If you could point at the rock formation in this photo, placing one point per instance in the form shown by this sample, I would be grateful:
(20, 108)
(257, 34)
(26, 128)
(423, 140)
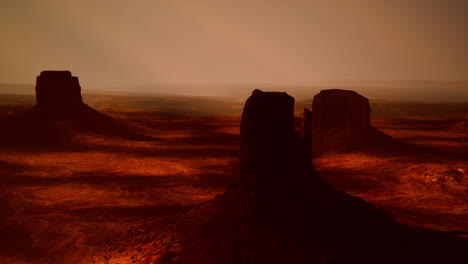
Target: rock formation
(307, 117)
(270, 149)
(58, 92)
(281, 212)
(270, 146)
(267, 131)
(60, 116)
(341, 122)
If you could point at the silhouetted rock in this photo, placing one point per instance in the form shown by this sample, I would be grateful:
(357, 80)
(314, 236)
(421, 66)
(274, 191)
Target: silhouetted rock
(271, 148)
(267, 131)
(341, 122)
(307, 117)
(60, 117)
(58, 92)
(283, 212)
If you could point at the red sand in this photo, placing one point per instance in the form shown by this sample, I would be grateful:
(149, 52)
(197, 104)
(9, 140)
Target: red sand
(62, 206)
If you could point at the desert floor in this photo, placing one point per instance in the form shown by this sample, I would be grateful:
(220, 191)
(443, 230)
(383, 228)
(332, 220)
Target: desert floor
(58, 205)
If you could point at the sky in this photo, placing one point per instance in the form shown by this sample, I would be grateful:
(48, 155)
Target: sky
(297, 42)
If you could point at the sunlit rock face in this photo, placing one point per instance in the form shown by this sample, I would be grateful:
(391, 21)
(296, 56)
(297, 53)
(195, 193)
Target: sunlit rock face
(341, 121)
(58, 92)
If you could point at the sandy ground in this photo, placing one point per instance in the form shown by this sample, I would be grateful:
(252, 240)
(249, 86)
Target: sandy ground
(57, 206)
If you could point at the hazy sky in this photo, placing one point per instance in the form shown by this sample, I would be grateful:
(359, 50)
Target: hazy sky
(122, 42)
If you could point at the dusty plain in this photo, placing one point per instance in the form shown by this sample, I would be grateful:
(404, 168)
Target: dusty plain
(69, 203)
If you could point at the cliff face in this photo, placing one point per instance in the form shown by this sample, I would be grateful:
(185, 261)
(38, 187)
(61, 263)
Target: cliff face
(58, 92)
(267, 132)
(274, 157)
(341, 122)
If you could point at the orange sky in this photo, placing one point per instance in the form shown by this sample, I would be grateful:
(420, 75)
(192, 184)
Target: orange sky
(119, 42)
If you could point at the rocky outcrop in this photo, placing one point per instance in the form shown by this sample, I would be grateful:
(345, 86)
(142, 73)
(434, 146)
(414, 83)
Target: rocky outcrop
(341, 122)
(281, 212)
(270, 149)
(267, 129)
(58, 96)
(60, 117)
(58, 91)
(269, 143)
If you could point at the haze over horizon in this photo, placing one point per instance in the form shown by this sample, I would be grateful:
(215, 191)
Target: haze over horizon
(118, 43)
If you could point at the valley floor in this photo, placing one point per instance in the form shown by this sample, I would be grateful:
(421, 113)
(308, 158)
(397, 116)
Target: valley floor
(56, 206)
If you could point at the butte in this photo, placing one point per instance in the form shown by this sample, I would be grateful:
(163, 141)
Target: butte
(341, 123)
(281, 211)
(60, 116)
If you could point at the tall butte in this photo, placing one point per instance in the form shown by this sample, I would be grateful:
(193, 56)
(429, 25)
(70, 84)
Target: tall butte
(271, 148)
(60, 116)
(58, 93)
(281, 212)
